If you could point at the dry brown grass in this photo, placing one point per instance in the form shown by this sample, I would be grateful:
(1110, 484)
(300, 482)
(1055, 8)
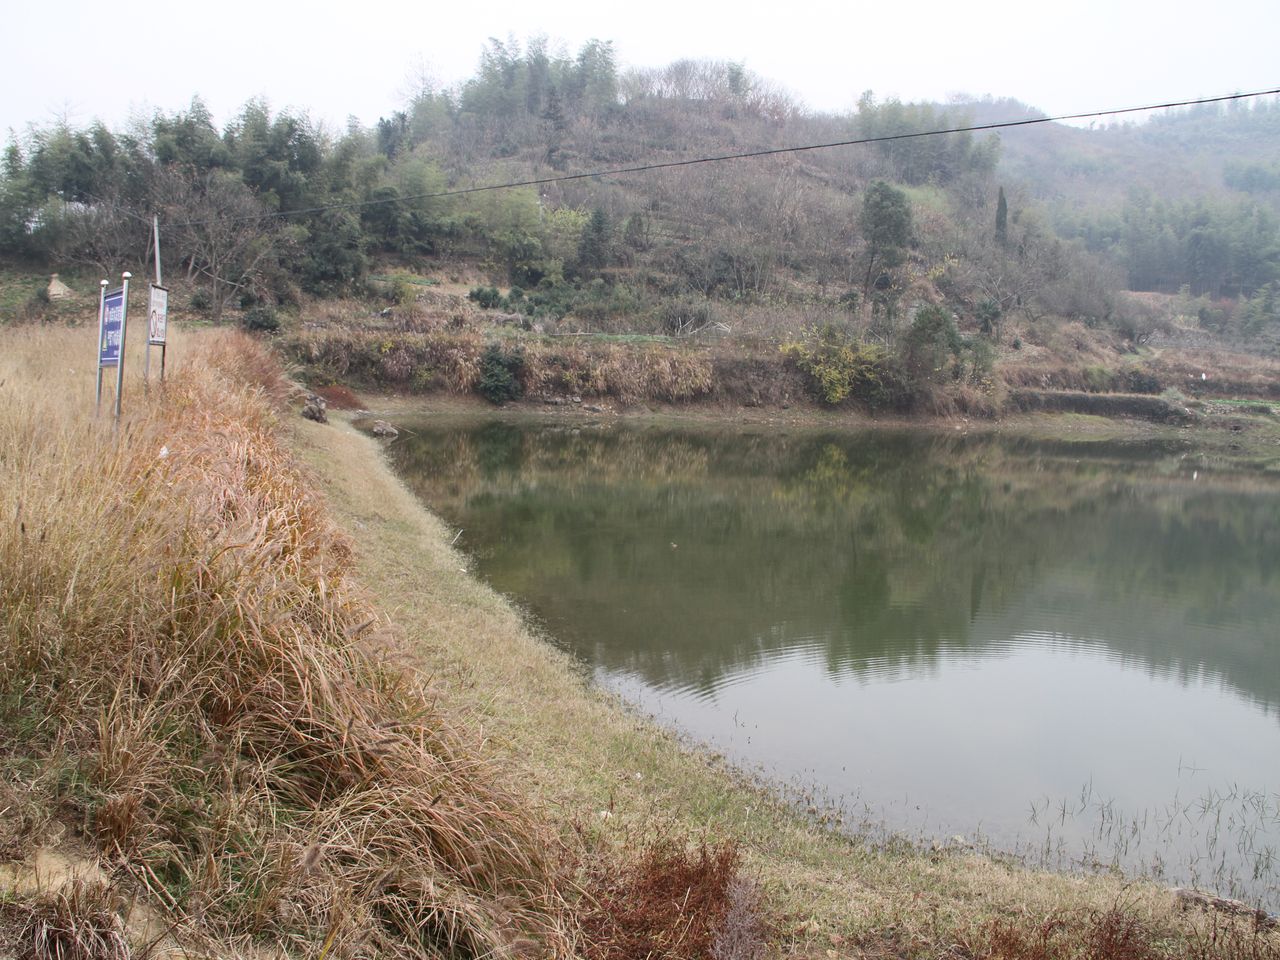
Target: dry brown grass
(181, 630)
(1219, 373)
(439, 360)
(1118, 934)
(1070, 356)
(631, 373)
(81, 921)
(673, 901)
(450, 361)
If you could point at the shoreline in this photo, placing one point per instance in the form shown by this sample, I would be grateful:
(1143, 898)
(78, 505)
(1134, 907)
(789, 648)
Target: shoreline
(1236, 442)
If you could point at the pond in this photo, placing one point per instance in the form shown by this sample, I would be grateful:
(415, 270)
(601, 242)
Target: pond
(1069, 650)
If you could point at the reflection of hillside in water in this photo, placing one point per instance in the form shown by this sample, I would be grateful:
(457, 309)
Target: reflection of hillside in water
(690, 558)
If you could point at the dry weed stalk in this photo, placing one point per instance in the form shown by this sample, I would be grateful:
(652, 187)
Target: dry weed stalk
(80, 921)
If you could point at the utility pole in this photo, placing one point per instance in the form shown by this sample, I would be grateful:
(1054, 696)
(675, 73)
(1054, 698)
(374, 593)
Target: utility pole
(157, 312)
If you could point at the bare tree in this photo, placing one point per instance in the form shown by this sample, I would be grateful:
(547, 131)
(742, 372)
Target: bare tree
(220, 230)
(108, 233)
(1015, 275)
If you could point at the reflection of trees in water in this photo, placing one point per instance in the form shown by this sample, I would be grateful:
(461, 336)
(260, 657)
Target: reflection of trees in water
(873, 551)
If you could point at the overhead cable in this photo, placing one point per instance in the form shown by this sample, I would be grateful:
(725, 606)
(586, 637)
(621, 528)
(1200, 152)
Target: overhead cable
(748, 155)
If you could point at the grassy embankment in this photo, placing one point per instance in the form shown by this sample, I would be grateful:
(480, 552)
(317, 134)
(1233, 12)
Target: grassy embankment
(445, 347)
(197, 698)
(203, 711)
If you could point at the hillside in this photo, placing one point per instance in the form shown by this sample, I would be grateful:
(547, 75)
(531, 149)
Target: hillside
(929, 274)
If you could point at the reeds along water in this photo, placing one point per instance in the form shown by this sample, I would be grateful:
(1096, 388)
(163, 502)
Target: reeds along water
(1225, 841)
(191, 678)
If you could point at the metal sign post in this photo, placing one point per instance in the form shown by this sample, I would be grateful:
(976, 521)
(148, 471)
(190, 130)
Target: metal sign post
(102, 294)
(124, 325)
(112, 318)
(155, 232)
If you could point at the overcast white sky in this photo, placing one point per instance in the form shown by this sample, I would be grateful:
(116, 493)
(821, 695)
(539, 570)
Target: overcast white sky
(89, 60)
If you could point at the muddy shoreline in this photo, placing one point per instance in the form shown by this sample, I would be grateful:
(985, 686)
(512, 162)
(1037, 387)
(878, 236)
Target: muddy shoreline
(1216, 436)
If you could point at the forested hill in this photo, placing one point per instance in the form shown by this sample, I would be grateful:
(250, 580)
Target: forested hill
(1188, 152)
(1049, 221)
(1169, 197)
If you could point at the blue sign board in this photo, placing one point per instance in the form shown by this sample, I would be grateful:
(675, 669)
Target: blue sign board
(112, 322)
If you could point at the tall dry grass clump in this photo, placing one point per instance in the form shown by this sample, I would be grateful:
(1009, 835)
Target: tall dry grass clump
(438, 360)
(82, 921)
(451, 361)
(631, 373)
(187, 665)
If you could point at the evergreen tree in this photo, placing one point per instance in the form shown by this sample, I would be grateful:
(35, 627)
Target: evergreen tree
(555, 125)
(594, 250)
(1002, 219)
(636, 232)
(885, 222)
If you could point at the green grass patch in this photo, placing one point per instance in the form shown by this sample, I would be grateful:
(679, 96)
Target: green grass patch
(1246, 403)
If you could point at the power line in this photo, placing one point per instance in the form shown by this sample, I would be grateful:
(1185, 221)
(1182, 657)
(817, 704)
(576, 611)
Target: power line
(749, 155)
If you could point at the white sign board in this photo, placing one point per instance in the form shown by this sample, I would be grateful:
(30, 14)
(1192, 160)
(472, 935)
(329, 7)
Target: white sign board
(157, 315)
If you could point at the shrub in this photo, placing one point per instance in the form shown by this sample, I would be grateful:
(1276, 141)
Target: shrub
(500, 374)
(931, 342)
(487, 297)
(36, 306)
(261, 320)
(840, 370)
(531, 274)
(1138, 380)
(1138, 322)
(402, 292)
(682, 316)
(598, 302)
(988, 313)
(1099, 379)
(980, 354)
(552, 298)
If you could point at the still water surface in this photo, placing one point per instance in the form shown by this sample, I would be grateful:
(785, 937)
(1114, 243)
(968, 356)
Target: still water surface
(1068, 649)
